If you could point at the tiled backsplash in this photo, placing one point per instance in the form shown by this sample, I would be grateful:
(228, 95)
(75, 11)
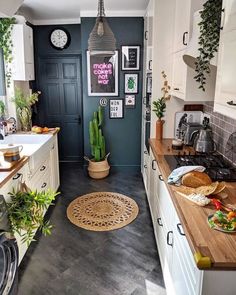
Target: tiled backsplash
(222, 128)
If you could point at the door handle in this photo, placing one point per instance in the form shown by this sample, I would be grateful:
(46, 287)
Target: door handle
(168, 238)
(159, 222)
(231, 103)
(153, 168)
(146, 35)
(184, 38)
(78, 119)
(179, 229)
(160, 177)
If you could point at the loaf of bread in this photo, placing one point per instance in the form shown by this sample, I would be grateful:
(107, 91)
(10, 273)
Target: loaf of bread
(195, 179)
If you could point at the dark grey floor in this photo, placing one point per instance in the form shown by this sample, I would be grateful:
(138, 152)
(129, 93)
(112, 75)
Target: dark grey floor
(79, 262)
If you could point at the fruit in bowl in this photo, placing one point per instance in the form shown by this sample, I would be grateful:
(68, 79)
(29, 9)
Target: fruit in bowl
(45, 129)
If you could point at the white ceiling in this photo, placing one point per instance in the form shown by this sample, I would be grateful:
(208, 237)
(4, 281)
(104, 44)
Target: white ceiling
(69, 11)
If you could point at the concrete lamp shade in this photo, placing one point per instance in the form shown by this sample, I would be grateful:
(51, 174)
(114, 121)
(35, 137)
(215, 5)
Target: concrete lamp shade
(192, 52)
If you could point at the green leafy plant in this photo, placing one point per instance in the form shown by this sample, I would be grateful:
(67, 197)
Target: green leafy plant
(6, 44)
(26, 213)
(2, 109)
(23, 107)
(96, 137)
(208, 40)
(159, 105)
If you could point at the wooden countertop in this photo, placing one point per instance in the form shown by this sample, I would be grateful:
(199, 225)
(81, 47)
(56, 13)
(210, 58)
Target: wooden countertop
(218, 246)
(5, 176)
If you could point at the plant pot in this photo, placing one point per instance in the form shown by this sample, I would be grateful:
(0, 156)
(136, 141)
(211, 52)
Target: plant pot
(159, 129)
(98, 170)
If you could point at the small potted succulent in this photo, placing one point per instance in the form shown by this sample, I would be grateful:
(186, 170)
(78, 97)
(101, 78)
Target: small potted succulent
(98, 167)
(159, 107)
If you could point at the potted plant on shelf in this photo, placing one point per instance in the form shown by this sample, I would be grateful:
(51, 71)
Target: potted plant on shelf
(26, 212)
(159, 107)
(98, 167)
(23, 107)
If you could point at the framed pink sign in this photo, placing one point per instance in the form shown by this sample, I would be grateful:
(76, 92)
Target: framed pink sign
(102, 73)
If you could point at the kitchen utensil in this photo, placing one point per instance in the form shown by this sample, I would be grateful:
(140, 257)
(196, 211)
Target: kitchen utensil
(185, 117)
(203, 142)
(11, 152)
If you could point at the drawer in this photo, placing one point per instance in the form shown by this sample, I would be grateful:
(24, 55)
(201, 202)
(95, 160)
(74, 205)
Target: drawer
(13, 183)
(41, 182)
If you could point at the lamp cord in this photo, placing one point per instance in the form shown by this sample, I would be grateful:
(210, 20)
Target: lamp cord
(101, 9)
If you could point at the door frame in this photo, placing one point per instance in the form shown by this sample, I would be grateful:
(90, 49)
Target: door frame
(37, 86)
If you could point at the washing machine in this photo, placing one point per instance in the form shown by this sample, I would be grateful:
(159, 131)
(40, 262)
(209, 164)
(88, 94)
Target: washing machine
(8, 254)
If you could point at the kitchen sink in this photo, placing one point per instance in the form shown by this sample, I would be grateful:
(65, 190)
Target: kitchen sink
(26, 139)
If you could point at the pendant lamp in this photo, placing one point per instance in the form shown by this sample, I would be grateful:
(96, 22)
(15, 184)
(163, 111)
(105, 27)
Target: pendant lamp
(101, 39)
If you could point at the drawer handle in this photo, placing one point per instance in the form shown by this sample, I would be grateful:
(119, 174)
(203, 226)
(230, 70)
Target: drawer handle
(184, 38)
(153, 168)
(176, 89)
(231, 103)
(146, 35)
(18, 175)
(42, 168)
(179, 228)
(145, 166)
(145, 152)
(160, 177)
(150, 65)
(44, 184)
(168, 238)
(159, 222)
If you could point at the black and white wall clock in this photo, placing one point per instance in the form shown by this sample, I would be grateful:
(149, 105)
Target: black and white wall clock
(60, 38)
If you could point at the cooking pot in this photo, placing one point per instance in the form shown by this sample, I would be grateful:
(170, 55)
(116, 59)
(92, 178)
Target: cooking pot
(11, 152)
(203, 142)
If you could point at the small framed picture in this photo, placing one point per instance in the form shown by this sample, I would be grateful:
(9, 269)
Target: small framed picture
(130, 58)
(149, 83)
(130, 101)
(131, 83)
(116, 110)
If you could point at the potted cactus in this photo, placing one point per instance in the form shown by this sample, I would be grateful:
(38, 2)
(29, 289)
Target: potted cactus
(98, 167)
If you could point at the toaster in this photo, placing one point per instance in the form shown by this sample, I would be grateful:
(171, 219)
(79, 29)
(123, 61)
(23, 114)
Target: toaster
(190, 132)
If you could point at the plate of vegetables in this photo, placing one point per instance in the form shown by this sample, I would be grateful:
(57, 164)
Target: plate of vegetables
(225, 222)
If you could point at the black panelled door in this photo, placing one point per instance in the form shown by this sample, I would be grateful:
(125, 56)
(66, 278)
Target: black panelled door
(61, 103)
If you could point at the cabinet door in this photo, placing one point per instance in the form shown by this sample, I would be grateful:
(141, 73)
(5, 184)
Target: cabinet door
(54, 164)
(182, 24)
(225, 96)
(179, 75)
(186, 276)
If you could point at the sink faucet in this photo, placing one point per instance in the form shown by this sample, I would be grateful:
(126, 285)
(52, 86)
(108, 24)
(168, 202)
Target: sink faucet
(2, 129)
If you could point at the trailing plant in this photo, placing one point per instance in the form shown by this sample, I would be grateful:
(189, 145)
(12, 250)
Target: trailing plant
(208, 40)
(2, 109)
(6, 44)
(23, 107)
(96, 137)
(26, 213)
(160, 104)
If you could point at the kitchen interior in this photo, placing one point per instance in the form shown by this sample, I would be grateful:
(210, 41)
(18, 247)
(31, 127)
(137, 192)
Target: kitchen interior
(117, 147)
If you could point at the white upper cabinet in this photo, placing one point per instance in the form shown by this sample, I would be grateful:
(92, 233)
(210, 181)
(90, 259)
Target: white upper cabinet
(148, 35)
(184, 85)
(23, 53)
(182, 24)
(225, 96)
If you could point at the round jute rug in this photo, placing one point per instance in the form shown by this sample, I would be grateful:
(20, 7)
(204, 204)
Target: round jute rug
(102, 211)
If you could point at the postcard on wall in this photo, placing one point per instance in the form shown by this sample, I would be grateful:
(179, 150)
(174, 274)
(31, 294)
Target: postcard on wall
(131, 83)
(116, 109)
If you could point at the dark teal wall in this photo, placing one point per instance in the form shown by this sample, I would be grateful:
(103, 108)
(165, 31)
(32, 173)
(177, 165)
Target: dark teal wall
(123, 136)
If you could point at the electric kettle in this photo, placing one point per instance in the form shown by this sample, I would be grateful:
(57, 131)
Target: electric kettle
(203, 142)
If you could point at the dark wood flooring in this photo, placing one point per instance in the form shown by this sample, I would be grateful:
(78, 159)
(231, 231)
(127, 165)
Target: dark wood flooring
(78, 262)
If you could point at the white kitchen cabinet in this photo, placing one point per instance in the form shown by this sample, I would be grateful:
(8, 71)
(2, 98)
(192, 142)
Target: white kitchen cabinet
(23, 53)
(225, 95)
(54, 162)
(148, 36)
(182, 24)
(184, 85)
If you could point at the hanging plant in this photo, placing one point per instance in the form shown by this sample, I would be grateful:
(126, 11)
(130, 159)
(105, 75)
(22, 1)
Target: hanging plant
(208, 40)
(6, 44)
